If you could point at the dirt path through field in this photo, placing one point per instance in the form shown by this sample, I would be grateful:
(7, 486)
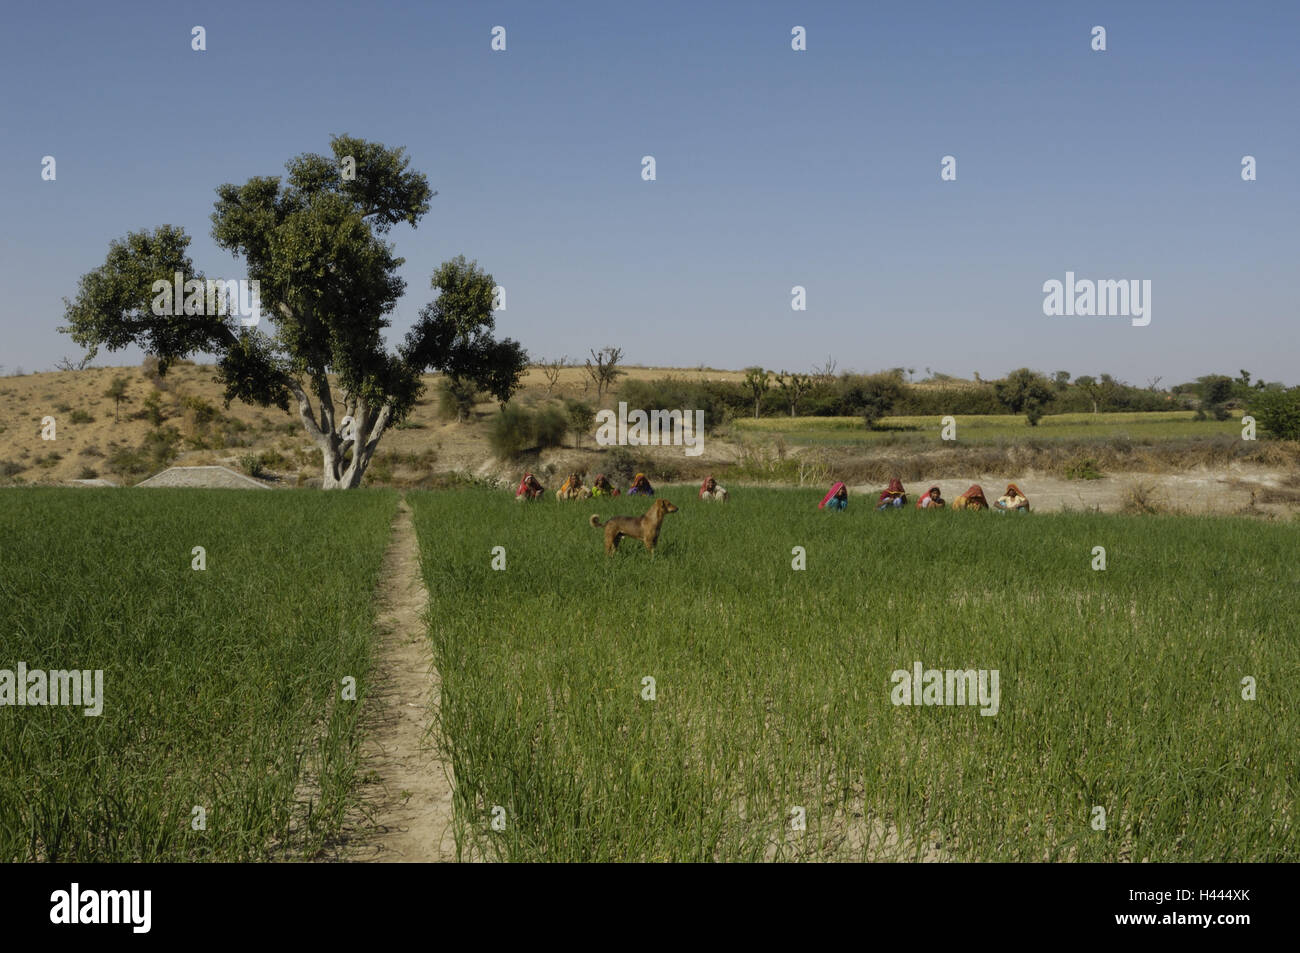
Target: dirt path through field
(406, 788)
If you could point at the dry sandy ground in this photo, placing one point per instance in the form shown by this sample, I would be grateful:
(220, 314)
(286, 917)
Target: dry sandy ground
(407, 789)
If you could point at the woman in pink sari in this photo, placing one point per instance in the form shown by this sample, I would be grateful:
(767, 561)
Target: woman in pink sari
(836, 499)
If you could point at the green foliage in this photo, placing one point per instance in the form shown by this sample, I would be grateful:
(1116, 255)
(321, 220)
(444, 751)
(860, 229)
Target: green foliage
(582, 419)
(221, 687)
(153, 409)
(516, 430)
(1278, 412)
(873, 396)
(785, 699)
(457, 397)
(1084, 468)
(1025, 392)
(314, 241)
(81, 417)
(117, 393)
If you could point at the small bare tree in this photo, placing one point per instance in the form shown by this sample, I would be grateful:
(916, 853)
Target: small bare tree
(826, 373)
(551, 371)
(794, 387)
(68, 364)
(603, 369)
(756, 382)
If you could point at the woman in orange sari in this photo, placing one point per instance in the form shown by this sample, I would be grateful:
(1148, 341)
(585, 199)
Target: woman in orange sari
(1013, 501)
(640, 486)
(972, 499)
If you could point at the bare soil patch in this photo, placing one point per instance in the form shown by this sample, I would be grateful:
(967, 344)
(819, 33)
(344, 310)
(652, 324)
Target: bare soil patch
(406, 788)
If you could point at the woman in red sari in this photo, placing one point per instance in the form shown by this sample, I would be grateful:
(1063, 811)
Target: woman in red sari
(892, 496)
(529, 489)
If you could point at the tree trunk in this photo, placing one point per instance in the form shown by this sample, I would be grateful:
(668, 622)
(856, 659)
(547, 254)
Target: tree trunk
(360, 430)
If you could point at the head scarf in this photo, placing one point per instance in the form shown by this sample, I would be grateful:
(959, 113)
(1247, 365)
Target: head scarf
(827, 498)
(894, 489)
(704, 487)
(926, 496)
(1012, 488)
(525, 484)
(976, 492)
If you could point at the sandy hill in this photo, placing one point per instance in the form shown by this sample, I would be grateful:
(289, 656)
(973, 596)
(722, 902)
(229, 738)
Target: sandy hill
(93, 438)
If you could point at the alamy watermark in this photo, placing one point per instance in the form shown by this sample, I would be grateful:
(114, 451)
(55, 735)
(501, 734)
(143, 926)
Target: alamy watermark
(933, 686)
(1103, 298)
(211, 296)
(658, 428)
(54, 687)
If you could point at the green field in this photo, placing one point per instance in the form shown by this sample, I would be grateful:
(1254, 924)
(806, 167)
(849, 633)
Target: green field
(1118, 689)
(984, 429)
(221, 686)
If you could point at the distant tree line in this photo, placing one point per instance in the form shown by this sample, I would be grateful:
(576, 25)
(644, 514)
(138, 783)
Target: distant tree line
(823, 393)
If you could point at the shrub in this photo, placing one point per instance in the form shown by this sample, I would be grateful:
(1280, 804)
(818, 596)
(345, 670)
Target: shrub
(456, 398)
(87, 473)
(550, 424)
(10, 468)
(380, 469)
(251, 463)
(1083, 469)
(511, 433)
(1278, 412)
(159, 447)
(128, 462)
(153, 410)
(81, 417)
(582, 418)
(516, 430)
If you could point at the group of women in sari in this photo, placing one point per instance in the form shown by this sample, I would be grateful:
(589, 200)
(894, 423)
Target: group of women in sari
(894, 496)
(530, 489)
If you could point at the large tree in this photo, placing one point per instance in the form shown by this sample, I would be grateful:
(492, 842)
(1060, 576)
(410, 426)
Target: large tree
(1025, 392)
(327, 281)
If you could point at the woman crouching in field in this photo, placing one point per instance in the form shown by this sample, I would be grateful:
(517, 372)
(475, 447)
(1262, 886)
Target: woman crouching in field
(602, 487)
(1013, 501)
(529, 489)
(836, 499)
(573, 489)
(640, 486)
(710, 491)
(892, 496)
(932, 500)
(972, 499)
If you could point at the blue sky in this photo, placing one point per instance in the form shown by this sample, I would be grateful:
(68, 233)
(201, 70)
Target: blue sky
(775, 168)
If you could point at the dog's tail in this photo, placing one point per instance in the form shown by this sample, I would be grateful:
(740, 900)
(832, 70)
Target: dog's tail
(595, 520)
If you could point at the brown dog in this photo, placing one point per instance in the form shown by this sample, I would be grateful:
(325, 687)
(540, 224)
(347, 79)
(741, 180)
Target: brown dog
(644, 528)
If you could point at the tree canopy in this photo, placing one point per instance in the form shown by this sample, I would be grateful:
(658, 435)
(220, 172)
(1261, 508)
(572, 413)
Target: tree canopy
(327, 281)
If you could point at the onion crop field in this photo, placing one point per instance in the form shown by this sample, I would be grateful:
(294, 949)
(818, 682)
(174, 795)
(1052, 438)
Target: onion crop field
(718, 702)
(222, 733)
